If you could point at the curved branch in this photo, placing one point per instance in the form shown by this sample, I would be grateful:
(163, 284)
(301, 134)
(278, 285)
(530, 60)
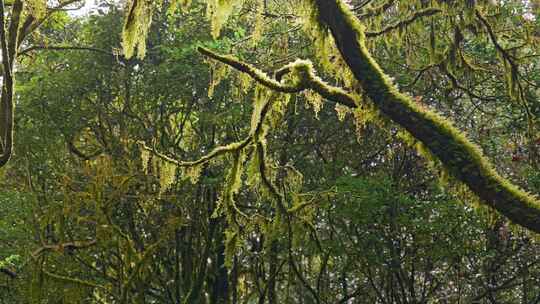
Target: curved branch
(206, 158)
(463, 158)
(403, 23)
(73, 149)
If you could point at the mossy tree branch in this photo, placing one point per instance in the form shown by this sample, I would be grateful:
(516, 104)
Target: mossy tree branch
(221, 150)
(307, 79)
(255, 73)
(462, 158)
(403, 23)
(303, 78)
(301, 69)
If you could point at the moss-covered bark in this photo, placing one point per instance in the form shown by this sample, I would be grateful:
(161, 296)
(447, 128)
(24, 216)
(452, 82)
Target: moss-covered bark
(463, 159)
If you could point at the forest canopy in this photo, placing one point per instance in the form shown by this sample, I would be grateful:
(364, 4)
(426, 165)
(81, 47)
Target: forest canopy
(269, 151)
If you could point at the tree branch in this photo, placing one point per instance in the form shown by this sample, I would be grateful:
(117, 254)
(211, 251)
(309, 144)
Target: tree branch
(462, 158)
(206, 158)
(68, 247)
(302, 69)
(255, 73)
(403, 23)
(73, 149)
(65, 48)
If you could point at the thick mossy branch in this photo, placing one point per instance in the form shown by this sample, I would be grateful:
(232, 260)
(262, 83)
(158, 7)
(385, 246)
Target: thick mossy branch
(255, 73)
(463, 159)
(301, 71)
(403, 23)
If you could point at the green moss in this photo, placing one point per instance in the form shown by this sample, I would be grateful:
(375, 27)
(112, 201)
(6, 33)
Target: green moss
(136, 27)
(219, 11)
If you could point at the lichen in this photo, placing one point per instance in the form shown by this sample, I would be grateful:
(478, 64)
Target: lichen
(219, 11)
(136, 27)
(218, 72)
(314, 101)
(193, 173)
(341, 111)
(145, 158)
(167, 175)
(258, 24)
(364, 115)
(231, 244)
(260, 101)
